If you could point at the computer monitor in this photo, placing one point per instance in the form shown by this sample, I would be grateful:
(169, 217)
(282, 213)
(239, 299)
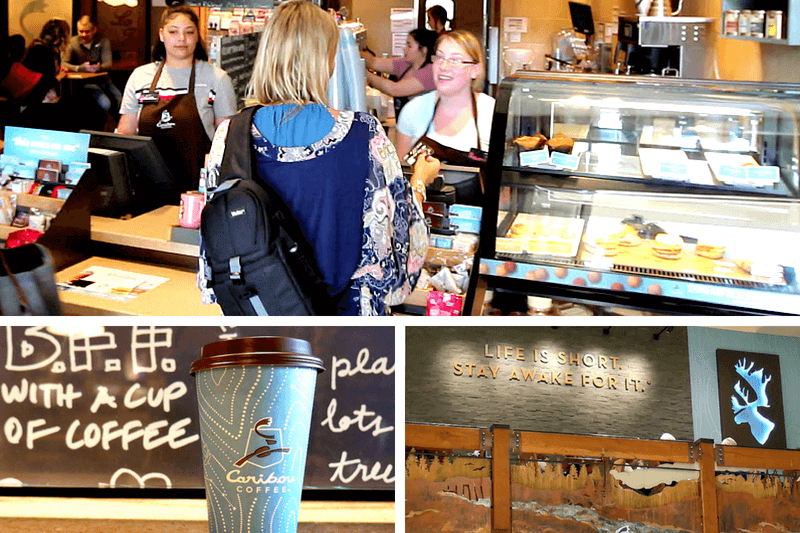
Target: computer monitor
(151, 183)
(582, 21)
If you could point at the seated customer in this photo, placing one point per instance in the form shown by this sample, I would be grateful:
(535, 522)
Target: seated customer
(87, 52)
(37, 102)
(414, 70)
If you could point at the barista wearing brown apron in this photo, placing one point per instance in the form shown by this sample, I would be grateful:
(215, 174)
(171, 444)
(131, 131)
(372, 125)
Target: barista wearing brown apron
(175, 126)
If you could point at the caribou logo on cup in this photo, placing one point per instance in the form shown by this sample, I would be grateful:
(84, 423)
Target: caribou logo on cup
(267, 443)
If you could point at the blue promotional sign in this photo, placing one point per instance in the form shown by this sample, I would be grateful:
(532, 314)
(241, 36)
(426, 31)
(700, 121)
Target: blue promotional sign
(31, 144)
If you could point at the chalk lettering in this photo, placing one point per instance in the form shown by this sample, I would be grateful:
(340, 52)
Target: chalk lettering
(154, 397)
(143, 352)
(345, 422)
(52, 393)
(94, 434)
(380, 366)
(13, 430)
(358, 468)
(27, 350)
(33, 435)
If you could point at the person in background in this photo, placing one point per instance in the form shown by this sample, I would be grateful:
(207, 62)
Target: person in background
(15, 49)
(179, 99)
(436, 16)
(44, 56)
(336, 171)
(41, 105)
(414, 71)
(457, 114)
(87, 52)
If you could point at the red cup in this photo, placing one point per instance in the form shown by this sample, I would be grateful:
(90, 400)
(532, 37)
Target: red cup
(192, 204)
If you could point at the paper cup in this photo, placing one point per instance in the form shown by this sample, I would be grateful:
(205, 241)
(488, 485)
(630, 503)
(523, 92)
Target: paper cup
(255, 397)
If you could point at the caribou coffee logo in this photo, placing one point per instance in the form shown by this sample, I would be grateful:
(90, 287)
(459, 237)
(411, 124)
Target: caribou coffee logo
(264, 449)
(748, 412)
(264, 445)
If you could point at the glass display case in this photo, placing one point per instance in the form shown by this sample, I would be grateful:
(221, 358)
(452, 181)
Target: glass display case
(661, 194)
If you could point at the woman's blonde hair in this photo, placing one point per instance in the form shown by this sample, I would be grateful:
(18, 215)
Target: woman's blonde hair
(472, 46)
(294, 55)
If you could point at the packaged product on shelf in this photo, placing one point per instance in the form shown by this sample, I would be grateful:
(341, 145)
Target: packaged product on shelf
(8, 207)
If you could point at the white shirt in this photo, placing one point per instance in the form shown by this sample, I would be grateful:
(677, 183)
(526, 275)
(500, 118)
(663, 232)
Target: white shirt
(417, 115)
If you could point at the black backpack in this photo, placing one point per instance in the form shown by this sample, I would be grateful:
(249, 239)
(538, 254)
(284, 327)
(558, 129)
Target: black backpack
(258, 260)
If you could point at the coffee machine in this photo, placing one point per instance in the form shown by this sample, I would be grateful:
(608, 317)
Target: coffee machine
(663, 46)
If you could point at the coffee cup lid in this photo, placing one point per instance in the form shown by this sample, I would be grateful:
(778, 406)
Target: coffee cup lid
(277, 351)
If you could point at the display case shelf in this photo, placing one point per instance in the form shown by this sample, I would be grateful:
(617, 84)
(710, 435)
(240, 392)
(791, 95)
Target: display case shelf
(689, 208)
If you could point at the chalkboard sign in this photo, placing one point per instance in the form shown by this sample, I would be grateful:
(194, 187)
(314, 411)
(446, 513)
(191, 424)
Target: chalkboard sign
(116, 406)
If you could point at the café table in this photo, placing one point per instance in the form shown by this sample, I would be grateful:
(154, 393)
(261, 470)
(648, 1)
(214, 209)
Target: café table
(74, 80)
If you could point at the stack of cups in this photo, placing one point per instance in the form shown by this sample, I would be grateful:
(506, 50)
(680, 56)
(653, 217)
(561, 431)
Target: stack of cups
(255, 398)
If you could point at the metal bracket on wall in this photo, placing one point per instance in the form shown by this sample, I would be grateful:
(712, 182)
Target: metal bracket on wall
(720, 455)
(694, 452)
(514, 443)
(487, 440)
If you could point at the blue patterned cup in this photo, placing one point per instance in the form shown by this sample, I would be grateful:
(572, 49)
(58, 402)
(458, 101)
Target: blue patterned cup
(255, 397)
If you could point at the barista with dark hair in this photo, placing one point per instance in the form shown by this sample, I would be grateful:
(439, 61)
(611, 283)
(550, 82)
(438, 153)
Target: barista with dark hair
(414, 71)
(179, 99)
(436, 17)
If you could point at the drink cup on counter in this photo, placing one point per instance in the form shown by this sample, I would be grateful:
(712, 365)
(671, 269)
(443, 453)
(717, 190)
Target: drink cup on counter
(255, 397)
(192, 204)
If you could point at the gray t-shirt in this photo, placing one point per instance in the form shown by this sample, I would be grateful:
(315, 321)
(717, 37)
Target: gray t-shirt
(213, 90)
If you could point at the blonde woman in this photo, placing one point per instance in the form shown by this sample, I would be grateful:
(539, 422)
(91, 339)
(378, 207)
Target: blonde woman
(457, 114)
(336, 170)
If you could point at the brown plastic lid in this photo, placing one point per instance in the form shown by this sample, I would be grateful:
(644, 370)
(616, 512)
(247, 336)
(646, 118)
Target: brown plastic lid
(277, 351)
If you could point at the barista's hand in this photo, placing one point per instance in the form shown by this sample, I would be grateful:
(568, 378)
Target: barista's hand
(426, 168)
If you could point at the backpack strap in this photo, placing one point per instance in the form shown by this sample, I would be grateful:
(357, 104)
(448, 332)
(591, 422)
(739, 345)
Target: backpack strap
(237, 159)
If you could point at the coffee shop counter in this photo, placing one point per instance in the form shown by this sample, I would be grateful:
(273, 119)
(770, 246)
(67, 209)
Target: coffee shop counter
(109, 515)
(150, 244)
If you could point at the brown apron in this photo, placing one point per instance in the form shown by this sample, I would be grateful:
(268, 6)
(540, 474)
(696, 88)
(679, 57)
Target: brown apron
(176, 128)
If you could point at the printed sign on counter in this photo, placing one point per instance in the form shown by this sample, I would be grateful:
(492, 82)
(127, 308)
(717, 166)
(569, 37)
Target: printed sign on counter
(115, 406)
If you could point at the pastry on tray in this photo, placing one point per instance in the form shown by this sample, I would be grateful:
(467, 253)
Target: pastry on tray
(607, 246)
(629, 237)
(561, 143)
(530, 142)
(668, 246)
(709, 250)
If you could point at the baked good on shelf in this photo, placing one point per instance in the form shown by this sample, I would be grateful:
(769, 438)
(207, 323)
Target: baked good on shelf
(519, 229)
(561, 143)
(709, 250)
(530, 142)
(629, 239)
(667, 246)
(607, 246)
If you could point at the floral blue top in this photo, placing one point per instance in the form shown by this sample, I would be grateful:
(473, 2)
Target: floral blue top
(394, 236)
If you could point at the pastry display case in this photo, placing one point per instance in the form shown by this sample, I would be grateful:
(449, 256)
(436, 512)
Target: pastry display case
(660, 194)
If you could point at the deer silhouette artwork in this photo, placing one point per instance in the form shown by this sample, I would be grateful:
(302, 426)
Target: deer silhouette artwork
(760, 426)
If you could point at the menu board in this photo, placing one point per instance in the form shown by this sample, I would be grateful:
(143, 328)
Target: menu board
(116, 406)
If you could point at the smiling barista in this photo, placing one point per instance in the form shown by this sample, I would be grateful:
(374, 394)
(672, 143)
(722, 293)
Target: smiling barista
(179, 100)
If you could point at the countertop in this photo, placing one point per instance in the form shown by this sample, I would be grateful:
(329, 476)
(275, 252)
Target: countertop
(109, 515)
